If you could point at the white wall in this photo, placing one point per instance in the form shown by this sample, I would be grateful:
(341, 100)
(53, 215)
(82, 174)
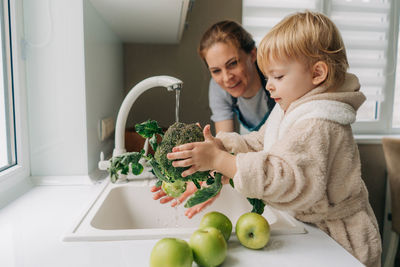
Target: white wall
(104, 79)
(56, 87)
(63, 106)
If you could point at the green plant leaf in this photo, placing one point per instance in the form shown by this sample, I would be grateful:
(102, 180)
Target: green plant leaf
(157, 171)
(148, 128)
(210, 181)
(137, 168)
(205, 193)
(258, 205)
(196, 183)
(120, 164)
(153, 142)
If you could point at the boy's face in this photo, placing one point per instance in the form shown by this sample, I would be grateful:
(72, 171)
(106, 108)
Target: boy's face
(288, 80)
(232, 69)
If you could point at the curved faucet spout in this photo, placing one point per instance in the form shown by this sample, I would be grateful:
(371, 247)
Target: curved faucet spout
(169, 82)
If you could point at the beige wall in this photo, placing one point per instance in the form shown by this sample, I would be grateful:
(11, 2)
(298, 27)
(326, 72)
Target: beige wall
(182, 61)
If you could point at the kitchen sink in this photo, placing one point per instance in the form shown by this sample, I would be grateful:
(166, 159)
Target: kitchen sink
(127, 211)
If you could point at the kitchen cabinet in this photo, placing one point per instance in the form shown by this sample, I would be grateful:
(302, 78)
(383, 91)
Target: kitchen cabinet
(144, 21)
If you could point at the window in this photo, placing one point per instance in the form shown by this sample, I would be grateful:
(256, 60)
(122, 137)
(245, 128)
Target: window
(367, 28)
(7, 134)
(14, 150)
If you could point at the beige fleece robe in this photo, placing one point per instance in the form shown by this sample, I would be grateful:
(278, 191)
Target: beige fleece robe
(306, 161)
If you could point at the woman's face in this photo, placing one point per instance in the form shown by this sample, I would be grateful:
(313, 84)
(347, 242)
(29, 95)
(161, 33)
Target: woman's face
(233, 69)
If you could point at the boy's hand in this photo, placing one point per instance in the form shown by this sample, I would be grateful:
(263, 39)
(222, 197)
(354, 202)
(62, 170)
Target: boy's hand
(200, 156)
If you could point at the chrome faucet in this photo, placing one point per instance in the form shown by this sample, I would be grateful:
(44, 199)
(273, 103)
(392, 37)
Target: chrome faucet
(169, 82)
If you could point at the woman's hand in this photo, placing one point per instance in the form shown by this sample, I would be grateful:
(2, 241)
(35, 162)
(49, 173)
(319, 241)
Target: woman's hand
(162, 196)
(190, 212)
(190, 190)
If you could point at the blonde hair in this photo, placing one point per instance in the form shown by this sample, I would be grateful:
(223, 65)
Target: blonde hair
(228, 32)
(307, 37)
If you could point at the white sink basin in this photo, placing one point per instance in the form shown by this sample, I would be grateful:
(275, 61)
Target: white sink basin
(127, 211)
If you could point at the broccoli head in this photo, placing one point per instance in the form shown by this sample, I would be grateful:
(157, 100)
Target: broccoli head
(177, 134)
(170, 178)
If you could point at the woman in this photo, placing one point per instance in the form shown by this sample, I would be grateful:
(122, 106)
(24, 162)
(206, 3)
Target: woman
(237, 87)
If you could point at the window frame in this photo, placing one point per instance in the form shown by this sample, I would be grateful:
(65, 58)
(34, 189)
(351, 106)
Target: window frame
(21, 170)
(8, 88)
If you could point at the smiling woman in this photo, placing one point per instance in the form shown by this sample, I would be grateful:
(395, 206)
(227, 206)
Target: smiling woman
(237, 87)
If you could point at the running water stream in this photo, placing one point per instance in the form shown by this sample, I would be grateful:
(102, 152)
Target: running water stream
(177, 96)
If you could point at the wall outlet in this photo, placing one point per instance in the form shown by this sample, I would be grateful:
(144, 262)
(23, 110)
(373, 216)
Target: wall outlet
(106, 128)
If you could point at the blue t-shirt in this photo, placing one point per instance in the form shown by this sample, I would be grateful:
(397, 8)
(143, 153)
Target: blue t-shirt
(253, 110)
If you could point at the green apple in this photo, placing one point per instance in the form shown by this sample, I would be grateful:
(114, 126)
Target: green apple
(252, 230)
(171, 252)
(174, 189)
(209, 246)
(218, 220)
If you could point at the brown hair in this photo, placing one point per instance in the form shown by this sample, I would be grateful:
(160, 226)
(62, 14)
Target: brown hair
(226, 31)
(308, 37)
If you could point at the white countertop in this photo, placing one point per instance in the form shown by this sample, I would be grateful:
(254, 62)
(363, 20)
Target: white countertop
(32, 227)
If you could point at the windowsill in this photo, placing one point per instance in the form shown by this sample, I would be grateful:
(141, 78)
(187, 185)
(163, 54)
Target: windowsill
(372, 138)
(13, 187)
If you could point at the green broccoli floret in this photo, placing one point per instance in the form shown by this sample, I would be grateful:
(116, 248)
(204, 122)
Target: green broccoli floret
(170, 178)
(177, 134)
